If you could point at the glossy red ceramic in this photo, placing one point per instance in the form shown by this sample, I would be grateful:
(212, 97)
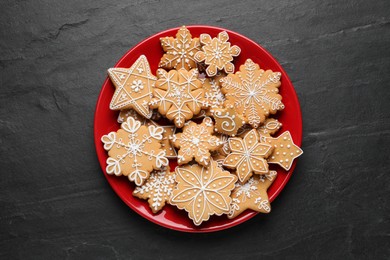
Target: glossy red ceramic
(105, 122)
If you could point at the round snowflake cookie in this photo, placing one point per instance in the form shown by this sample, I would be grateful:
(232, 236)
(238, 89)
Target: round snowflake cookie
(217, 53)
(178, 95)
(196, 141)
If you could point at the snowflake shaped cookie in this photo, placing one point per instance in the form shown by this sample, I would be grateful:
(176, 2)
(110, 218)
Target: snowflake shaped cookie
(213, 94)
(179, 51)
(157, 189)
(133, 87)
(217, 53)
(253, 92)
(252, 195)
(285, 151)
(178, 95)
(248, 155)
(196, 141)
(203, 191)
(134, 150)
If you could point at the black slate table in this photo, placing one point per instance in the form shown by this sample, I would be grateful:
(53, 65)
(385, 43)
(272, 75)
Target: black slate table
(55, 202)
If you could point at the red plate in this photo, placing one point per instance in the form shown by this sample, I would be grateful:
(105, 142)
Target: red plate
(105, 122)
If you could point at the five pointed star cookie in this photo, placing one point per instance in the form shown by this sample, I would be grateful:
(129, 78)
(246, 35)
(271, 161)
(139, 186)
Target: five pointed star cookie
(133, 87)
(134, 150)
(252, 195)
(157, 189)
(217, 53)
(196, 141)
(248, 155)
(253, 92)
(179, 51)
(203, 191)
(178, 95)
(285, 151)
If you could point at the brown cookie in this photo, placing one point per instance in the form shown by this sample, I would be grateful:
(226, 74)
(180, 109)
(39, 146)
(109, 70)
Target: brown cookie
(253, 92)
(134, 150)
(179, 51)
(284, 152)
(248, 156)
(252, 195)
(196, 141)
(217, 53)
(227, 120)
(203, 191)
(157, 189)
(178, 95)
(213, 94)
(133, 87)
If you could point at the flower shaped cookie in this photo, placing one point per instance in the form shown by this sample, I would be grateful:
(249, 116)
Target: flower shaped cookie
(134, 150)
(196, 141)
(217, 53)
(202, 191)
(248, 155)
(253, 92)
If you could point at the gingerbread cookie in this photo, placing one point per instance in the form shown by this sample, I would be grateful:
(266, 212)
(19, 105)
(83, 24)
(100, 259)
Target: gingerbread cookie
(157, 189)
(178, 95)
(285, 151)
(166, 145)
(196, 141)
(269, 127)
(253, 92)
(133, 87)
(134, 150)
(179, 51)
(124, 114)
(203, 191)
(227, 121)
(248, 155)
(217, 53)
(252, 195)
(213, 94)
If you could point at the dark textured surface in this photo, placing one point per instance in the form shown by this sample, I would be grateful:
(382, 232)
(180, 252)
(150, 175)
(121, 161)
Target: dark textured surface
(55, 202)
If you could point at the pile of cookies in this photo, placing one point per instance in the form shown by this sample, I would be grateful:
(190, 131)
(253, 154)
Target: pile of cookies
(219, 131)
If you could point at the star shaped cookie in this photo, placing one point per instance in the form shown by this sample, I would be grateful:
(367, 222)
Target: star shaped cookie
(179, 51)
(248, 155)
(133, 87)
(157, 189)
(134, 150)
(196, 141)
(203, 191)
(252, 195)
(217, 53)
(285, 151)
(178, 95)
(253, 92)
